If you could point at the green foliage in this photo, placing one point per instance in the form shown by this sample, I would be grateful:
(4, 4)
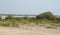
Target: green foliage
(0, 18)
(43, 19)
(9, 17)
(58, 18)
(9, 23)
(14, 23)
(46, 15)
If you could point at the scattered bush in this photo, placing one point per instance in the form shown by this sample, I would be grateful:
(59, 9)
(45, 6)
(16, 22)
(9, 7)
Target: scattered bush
(52, 27)
(44, 18)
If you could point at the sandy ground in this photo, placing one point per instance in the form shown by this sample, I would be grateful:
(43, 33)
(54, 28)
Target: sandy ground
(28, 31)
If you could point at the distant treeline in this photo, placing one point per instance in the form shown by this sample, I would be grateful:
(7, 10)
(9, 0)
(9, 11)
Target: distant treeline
(46, 15)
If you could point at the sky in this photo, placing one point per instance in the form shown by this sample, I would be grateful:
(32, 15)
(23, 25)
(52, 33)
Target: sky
(29, 6)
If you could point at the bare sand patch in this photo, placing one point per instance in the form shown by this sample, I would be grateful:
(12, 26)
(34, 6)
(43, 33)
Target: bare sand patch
(24, 31)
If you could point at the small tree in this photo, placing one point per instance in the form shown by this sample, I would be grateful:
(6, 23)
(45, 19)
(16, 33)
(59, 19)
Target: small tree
(0, 18)
(58, 18)
(9, 17)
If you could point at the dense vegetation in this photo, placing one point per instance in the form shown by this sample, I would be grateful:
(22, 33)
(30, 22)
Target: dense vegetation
(46, 19)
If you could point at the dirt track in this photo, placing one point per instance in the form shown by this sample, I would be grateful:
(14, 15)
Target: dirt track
(31, 31)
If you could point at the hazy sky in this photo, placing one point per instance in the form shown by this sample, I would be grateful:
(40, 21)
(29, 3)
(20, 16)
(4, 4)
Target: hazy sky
(29, 6)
